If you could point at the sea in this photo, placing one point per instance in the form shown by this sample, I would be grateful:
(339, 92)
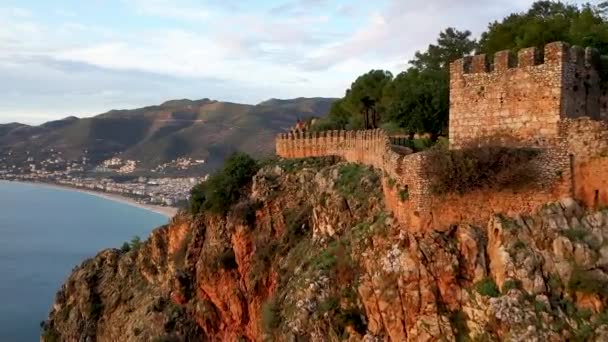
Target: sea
(44, 233)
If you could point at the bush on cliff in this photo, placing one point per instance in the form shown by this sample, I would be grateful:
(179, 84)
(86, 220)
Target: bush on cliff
(490, 167)
(222, 189)
(351, 178)
(487, 287)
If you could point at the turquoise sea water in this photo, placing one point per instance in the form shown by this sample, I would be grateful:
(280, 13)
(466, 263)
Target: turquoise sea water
(44, 233)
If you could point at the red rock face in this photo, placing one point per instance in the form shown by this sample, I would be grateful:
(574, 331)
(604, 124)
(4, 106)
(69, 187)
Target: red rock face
(318, 263)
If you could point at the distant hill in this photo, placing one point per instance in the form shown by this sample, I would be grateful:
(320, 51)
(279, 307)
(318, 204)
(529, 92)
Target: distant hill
(202, 129)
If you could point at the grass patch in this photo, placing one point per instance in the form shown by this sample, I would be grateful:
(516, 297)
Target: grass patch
(586, 282)
(271, 315)
(297, 221)
(350, 180)
(326, 260)
(575, 234)
(511, 284)
(294, 165)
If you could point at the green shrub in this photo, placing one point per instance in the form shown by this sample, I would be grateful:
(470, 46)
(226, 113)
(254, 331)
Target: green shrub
(510, 284)
(539, 306)
(328, 305)
(50, 335)
(487, 287)
(391, 182)
(404, 194)
(555, 283)
(494, 167)
(293, 165)
(297, 222)
(519, 245)
(327, 124)
(585, 281)
(325, 260)
(222, 189)
(271, 315)
(350, 179)
(125, 247)
(421, 144)
(95, 309)
(135, 243)
(583, 333)
(575, 234)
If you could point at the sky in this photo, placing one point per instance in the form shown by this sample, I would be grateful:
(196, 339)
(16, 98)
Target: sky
(73, 57)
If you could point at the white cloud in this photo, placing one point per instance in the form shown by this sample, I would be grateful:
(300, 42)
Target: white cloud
(218, 49)
(171, 9)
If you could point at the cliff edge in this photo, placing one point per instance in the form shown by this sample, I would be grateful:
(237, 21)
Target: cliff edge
(310, 253)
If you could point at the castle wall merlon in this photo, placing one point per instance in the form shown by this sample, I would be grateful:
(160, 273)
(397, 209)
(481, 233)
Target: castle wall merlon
(529, 57)
(593, 58)
(504, 60)
(461, 66)
(556, 53)
(577, 56)
(479, 64)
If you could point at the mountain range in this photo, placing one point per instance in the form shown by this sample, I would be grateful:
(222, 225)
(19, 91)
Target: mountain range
(201, 129)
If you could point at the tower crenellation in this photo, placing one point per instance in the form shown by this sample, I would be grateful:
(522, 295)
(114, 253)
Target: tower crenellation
(524, 96)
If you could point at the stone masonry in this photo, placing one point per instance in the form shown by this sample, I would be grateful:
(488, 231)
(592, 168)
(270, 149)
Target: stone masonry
(550, 100)
(523, 97)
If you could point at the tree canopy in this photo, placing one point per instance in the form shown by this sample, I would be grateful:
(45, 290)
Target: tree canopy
(417, 99)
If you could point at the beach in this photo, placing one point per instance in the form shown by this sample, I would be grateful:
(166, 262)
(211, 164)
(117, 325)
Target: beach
(162, 210)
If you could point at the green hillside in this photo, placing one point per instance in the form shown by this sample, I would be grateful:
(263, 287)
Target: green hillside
(202, 129)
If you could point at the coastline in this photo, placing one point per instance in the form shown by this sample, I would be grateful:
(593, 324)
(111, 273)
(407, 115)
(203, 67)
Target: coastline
(168, 212)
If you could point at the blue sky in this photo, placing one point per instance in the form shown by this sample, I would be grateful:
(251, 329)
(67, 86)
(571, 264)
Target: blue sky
(75, 57)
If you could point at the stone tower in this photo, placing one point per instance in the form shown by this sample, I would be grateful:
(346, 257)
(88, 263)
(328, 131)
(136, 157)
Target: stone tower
(523, 97)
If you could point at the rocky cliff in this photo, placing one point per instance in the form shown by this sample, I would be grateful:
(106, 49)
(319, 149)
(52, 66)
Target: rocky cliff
(311, 254)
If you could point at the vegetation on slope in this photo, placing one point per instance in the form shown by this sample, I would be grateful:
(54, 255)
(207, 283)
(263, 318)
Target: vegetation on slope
(223, 189)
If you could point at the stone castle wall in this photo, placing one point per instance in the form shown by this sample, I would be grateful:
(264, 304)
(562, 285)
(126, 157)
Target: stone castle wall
(423, 210)
(523, 97)
(371, 147)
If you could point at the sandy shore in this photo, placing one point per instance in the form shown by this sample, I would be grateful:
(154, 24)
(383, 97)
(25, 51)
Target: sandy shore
(165, 211)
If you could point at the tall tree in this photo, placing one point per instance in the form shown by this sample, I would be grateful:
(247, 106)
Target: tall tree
(365, 95)
(451, 45)
(418, 98)
(545, 22)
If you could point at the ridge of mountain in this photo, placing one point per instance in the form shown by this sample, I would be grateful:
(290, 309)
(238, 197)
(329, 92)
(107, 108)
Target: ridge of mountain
(199, 129)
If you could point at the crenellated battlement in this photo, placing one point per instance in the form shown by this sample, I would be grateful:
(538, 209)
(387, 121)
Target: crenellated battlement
(524, 96)
(554, 54)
